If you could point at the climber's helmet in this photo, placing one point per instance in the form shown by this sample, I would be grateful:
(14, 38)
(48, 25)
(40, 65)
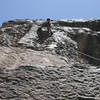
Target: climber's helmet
(48, 19)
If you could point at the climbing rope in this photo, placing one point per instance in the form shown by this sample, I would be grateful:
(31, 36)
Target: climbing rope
(88, 55)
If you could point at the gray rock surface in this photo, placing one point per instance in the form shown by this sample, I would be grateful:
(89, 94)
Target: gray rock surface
(52, 69)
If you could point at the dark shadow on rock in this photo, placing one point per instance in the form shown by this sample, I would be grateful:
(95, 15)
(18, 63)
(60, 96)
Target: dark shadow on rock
(85, 98)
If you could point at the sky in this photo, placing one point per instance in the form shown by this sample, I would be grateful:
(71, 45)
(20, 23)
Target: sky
(54, 9)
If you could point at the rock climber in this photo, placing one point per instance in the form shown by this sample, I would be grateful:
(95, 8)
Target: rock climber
(47, 24)
(42, 34)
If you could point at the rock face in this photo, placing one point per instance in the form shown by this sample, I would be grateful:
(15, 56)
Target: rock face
(93, 24)
(12, 31)
(62, 66)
